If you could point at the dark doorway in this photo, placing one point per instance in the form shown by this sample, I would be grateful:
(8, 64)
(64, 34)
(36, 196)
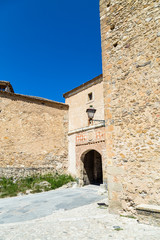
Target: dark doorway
(92, 168)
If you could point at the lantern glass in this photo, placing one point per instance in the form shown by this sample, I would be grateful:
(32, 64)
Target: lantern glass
(91, 111)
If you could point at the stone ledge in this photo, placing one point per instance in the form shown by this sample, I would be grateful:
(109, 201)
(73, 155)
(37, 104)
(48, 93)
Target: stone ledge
(29, 171)
(83, 86)
(86, 128)
(34, 99)
(148, 214)
(148, 208)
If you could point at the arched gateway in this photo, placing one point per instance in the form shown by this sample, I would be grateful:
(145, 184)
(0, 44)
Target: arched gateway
(92, 167)
(86, 138)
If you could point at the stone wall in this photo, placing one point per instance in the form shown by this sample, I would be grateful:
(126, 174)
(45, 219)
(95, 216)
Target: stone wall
(78, 103)
(130, 35)
(83, 136)
(33, 135)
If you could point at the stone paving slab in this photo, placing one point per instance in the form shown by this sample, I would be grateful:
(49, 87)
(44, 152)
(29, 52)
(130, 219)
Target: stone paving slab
(29, 207)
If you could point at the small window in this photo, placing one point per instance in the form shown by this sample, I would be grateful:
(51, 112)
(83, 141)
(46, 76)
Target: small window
(90, 96)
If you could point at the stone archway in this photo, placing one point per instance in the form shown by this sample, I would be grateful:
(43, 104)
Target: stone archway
(92, 168)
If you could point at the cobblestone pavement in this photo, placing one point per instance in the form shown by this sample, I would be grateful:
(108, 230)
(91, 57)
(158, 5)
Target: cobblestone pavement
(86, 222)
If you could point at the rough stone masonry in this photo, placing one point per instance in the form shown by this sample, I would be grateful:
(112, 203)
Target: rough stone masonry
(130, 35)
(33, 135)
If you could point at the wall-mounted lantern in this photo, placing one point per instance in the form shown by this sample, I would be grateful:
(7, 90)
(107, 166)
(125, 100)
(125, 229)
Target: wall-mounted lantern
(90, 112)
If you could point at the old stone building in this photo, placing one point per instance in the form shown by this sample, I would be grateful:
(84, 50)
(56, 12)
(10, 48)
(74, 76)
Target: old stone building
(40, 135)
(33, 134)
(86, 148)
(130, 35)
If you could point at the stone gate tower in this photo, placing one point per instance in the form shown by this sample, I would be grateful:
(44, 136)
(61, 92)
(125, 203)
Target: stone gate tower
(86, 141)
(130, 35)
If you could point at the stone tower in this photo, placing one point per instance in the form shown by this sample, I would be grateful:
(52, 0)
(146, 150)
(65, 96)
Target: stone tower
(130, 38)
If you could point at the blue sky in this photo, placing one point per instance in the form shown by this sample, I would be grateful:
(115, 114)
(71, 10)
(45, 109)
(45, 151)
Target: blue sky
(48, 47)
